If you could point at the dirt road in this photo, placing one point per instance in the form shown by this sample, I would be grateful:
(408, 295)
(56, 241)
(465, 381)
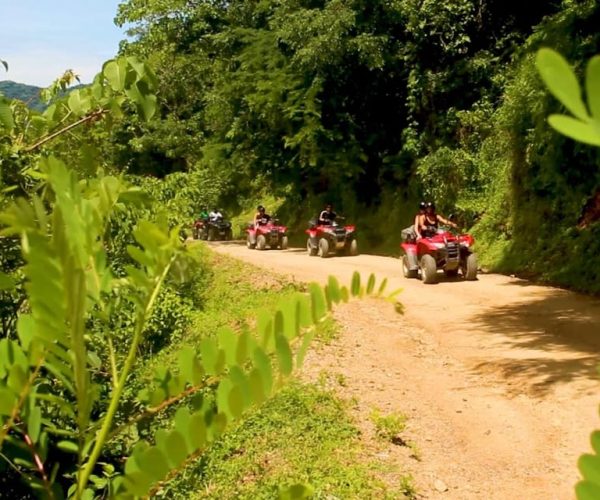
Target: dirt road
(498, 376)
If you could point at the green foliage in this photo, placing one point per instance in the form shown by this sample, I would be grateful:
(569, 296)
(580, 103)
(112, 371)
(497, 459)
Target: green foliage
(302, 435)
(388, 427)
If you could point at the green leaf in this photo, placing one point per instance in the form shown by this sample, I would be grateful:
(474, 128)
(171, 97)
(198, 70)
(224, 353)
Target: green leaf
(223, 397)
(383, 286)
(34, 423)
(78, 104)
(263, 363)
(592, 86)
(68, 446)
(586, 132)
(115, 72)
(257, 389)
(319, 306)
(586, 490)
(190, 366)
(176, 448)
(371, 284)
(209, 355)
(355, 286)
(236, 401)
(589, 465)
(334, 289)
(153, 463)
(228, 342)
(595, 439)
(284, 355)
(561, 81)
(8, 401)
(197, 431)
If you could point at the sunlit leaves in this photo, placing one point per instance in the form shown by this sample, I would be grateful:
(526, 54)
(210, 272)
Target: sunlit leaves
(560, 79)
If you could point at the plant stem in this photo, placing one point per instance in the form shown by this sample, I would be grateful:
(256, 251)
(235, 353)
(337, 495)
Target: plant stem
(92, 116)
(118, 391)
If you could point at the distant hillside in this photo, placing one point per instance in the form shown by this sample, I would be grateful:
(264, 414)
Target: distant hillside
(29, 94)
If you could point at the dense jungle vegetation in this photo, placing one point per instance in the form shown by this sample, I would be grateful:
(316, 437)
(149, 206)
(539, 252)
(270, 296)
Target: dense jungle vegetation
(373, 105)
(130, 364)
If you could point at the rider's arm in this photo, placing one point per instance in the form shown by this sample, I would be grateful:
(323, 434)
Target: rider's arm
(418, 219)
(447, 222)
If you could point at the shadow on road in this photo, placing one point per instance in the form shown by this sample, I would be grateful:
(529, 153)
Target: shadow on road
(553, 337)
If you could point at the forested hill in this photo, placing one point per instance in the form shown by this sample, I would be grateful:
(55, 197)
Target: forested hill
(29, 94)
(373, 105)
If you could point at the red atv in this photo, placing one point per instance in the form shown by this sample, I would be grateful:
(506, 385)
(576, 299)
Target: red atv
(268, 233)
(442, 251)
(200, 229)
(324, 239)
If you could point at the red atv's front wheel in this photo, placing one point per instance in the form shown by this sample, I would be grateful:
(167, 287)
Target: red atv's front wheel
(323, 248)
(406, 270)
(261, 242)
(249, 243)
(469, 267)
(284, 243)
(312, 251)
(428, 269)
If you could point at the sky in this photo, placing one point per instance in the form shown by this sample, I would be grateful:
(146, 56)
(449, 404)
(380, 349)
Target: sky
(40, 39)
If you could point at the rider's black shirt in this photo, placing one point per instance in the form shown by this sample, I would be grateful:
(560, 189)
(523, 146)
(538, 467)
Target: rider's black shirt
(327, 217)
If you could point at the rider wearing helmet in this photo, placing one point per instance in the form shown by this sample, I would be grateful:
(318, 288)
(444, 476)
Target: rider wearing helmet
(428, 222)
(261, 217)
(215, 215)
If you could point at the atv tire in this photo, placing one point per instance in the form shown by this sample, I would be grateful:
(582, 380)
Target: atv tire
(312, 252)
(211, 235)
(428, 270)
(323, 251)
(407, 271)
(352, 248)
(470, 267)
(228, 235)
(284, 243)
(261, 242)
(249, 244)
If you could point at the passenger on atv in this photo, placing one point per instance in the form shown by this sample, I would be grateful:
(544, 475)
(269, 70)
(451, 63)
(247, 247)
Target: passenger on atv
(427, 224)
(410, 233)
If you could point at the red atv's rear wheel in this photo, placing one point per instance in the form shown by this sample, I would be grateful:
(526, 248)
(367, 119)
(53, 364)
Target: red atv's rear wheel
(312, 251)
(428, 269)
(406, 270)
(469, 267)
(261, 242)
(323, 248)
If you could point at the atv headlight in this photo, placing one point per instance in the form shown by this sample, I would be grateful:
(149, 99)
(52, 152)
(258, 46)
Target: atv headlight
(439, 246)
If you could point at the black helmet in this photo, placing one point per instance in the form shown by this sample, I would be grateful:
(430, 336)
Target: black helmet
(260, 208)
(422, 205)
(431, 204)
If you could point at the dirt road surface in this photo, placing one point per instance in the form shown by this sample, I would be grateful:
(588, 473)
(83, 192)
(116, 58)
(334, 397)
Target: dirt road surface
(498, 376)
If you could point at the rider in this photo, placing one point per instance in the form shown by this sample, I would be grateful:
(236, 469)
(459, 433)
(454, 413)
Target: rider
(203, 213)
(261, 217)
(410, 233)
(427, 224)
(215, 215)
(327, 216)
